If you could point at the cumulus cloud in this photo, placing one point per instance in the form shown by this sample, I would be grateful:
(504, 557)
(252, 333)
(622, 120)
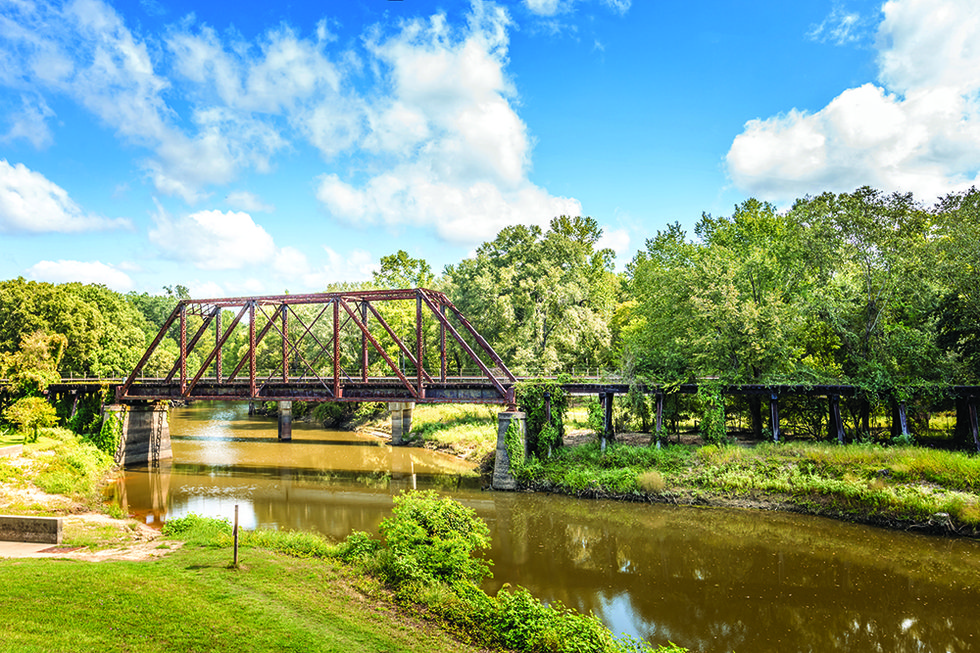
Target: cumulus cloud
(213, 240)
(81, 271)
(919, 130)
(461, 153)
(618, 240)
(31, 203)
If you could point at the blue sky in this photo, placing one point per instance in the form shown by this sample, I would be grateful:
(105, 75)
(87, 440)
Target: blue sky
(255, 147)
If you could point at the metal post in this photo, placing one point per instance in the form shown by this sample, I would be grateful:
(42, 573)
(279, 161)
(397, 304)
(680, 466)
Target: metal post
(364, 342)
(442, 345)
(336, 348)
(183, 348)
(217, 344)
(235, 563)
(900, 425)
(251, 349)
(418, 341)
(285, 344)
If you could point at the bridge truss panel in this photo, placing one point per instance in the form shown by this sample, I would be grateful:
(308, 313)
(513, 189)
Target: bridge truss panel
(348, 346)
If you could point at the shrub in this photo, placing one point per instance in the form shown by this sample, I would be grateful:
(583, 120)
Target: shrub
(651, 481)
(432, 538)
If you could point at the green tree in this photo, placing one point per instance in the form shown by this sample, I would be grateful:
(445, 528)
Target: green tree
(34, 366)
(542, 299)
(29, 414)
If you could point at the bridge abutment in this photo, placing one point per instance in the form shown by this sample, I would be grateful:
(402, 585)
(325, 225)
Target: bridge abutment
(401, 421)
(503, 479)
(144, 434)
(285, 421)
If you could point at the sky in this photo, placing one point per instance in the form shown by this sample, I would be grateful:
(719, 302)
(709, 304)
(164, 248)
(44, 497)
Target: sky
(260, 147)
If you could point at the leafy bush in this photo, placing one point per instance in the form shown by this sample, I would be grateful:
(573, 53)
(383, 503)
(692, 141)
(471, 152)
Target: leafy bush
(431, 538)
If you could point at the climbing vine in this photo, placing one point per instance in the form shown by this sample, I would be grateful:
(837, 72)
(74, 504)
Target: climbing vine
(515, 445)
(544, 436)
(712, 407)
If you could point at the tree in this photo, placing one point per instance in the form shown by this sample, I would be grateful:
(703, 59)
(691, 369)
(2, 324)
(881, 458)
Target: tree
(542, 299)
(30, 414)
(34, 366)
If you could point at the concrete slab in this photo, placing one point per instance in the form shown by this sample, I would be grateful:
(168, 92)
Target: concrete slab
(30, 550)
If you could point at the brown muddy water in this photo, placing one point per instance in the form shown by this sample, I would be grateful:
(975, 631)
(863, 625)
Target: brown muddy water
(712, 580)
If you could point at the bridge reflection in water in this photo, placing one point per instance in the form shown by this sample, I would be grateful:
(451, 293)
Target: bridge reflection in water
(712, 580)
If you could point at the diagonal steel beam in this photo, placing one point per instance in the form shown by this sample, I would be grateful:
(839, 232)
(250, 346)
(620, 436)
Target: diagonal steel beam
(380, 349)
(124, 389)
(217, 348)
(398, 341)
(190, 346)
(469, 350)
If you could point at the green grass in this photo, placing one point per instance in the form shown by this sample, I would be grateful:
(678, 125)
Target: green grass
(468, 431)
(891, 485)
(190, 600)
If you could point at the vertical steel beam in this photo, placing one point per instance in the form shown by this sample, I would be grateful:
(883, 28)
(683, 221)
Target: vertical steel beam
(364, 342)
(336, 348)
(251, 349)
(442, 343)
(217, 341)
(420, 364)
(285, 343)
(183, 347)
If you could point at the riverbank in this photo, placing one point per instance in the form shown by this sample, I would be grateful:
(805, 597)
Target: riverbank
(898, 487)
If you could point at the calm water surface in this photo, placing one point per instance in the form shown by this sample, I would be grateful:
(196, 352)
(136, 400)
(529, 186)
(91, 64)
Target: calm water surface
(708, 579)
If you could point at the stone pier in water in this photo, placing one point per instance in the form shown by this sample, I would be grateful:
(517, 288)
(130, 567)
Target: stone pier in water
(401, 420)
(144, 433)
(502, 477)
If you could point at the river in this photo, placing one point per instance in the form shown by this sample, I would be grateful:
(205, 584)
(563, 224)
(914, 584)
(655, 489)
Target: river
(712, 580)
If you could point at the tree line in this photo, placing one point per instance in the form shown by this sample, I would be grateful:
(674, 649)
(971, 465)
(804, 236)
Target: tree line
(869, 289)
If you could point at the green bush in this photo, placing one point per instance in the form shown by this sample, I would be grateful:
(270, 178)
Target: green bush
(430, 538)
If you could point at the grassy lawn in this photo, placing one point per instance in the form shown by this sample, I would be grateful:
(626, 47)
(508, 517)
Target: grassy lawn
(191, 600)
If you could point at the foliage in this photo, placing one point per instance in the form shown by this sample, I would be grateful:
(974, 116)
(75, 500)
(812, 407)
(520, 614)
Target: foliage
(75, 468)
(516, 446)
(29, 414)
(34, 366)
(543, 300)
(712, 413)
(543, 436)
(107, 438)
(430, 538)
(333, 414)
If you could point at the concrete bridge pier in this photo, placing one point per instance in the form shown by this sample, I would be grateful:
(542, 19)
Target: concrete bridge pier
(401, 420)
(285, 421)
(503, 479)
(144, 433)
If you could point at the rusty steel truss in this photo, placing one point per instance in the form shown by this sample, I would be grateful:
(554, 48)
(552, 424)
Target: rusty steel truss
(307, 333)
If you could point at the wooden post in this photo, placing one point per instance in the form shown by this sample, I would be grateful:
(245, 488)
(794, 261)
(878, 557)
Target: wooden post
(607, 421)
(235, 534)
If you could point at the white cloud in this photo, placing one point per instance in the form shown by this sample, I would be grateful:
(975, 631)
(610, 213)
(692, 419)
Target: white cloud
(840, 27)
(81, 271)
(246, 201)
(356, 265)
(213, 240)
(543, 7)
(205, 290)
(31, 203)
(459, 154)
(30, 123)
(618, 240)
(919, 131)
